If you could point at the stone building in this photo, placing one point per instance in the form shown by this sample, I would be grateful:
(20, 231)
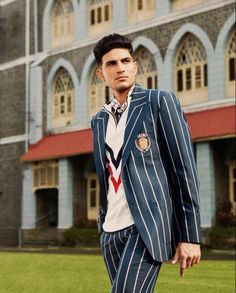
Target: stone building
(49, 92)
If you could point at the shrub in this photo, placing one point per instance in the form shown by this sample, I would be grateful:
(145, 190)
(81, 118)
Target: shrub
(81, 237)
(225, 215)
(222, 237)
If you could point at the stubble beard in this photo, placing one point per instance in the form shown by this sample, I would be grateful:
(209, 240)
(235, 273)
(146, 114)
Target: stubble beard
(123, 88)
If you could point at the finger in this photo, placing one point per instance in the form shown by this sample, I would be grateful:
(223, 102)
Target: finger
(182, 271)
(175, 258)
(182, 266)
(198, 260)
(194, 261)
(189, 262)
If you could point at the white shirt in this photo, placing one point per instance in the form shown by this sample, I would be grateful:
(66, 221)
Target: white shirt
(118, 213)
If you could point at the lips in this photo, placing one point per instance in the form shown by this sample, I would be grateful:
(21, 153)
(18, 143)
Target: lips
(121, 77)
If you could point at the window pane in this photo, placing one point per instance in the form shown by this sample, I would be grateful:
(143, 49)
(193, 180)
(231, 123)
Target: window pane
(92, 17)
(93, 201)
(232, 69)
(149, 82)
(234, 173)
(234, 191)
(69, 108)
(131, 6)
(36, 178)
(205, 75)
(62, 109)
(179, 80)
(107, 94)
(188, 79)
(140, 4)
(56, 176)
(106, 12)
(99, 16)
(155, 81)
(198, 77)
(42, 177)
(93, 183)
(49, 176)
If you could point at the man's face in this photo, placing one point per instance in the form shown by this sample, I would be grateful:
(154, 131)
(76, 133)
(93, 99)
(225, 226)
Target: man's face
(118, 70)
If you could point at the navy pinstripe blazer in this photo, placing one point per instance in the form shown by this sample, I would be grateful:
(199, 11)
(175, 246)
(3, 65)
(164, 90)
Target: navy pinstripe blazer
(161, 184)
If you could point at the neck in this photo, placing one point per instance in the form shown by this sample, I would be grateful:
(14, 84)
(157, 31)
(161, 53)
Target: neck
(121, 95)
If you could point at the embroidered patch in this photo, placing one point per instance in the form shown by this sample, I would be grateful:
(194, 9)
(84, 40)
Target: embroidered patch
(143, 142)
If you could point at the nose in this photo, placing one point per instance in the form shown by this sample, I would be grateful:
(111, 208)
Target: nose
(120, 67)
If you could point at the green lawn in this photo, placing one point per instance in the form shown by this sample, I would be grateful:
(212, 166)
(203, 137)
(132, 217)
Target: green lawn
(55, 273)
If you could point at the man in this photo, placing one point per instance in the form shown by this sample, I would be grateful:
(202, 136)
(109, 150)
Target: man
(148, 182)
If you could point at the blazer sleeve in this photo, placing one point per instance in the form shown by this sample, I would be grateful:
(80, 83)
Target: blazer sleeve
(179, 149)
(101, 215)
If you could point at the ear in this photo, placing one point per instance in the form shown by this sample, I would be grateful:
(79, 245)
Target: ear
(100, 74)
(136, 67)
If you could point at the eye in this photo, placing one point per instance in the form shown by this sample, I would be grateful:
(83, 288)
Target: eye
(111, 63)
(126, 60)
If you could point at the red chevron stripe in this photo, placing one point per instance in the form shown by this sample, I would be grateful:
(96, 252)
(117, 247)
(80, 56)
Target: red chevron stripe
(115, 183)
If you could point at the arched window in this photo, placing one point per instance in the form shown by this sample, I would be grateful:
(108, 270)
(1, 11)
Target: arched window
(63, 99)
(140, 10)
(147, 74)
(62, 23)
(182, 4)
(100, 16)
(191, 71)
(99, 93)
(231, 65)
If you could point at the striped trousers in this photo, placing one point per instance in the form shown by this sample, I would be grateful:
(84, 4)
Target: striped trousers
(130, 266)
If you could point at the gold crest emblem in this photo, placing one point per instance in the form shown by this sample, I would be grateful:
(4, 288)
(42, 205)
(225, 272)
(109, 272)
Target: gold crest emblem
(143, 142)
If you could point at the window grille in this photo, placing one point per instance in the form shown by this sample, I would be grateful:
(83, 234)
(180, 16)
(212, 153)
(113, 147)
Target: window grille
(147, 73)
(62, 23)
(100, 13)
(232, 184)
(191, 71)
(92, 197)
(45, 174)
(140, 10)
(63, 98)
(231, 65)
(99, 93)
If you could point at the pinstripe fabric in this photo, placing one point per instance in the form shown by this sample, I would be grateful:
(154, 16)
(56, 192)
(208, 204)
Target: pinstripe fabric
(161, 184)
(130, 266)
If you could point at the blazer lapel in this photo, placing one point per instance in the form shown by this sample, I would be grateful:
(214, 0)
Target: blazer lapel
(136, 114)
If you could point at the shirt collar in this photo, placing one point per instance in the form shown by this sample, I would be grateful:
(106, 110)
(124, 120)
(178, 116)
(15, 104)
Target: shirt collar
(114, 101)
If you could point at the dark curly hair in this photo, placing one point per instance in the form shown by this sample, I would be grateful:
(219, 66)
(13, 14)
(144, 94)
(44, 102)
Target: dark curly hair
(110, 42)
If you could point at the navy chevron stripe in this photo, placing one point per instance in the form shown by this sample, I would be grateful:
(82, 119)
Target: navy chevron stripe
(115, 162)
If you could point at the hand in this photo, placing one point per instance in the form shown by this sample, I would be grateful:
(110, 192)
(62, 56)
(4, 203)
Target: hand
(188, 254)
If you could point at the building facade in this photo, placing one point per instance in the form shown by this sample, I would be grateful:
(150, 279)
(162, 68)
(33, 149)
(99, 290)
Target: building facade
(49, 92)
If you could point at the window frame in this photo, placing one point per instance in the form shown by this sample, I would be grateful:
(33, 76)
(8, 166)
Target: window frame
(92, 211)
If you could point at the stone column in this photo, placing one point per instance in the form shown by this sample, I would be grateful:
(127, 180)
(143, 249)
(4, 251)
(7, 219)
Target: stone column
(205, 164)
(36, 116)
(28, 200)
(65, 195)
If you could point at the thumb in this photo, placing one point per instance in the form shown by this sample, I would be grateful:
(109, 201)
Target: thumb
(175, 258)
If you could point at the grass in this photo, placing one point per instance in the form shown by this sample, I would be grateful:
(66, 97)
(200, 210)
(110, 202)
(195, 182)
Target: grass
(55, 273)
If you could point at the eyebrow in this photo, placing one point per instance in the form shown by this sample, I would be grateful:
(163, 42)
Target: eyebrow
(114, 61)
